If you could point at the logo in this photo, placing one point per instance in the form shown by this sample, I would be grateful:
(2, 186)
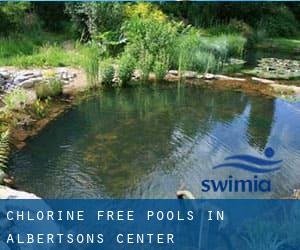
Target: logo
(246, 163)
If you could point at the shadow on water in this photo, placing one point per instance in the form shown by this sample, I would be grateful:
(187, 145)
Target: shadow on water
(146, 142)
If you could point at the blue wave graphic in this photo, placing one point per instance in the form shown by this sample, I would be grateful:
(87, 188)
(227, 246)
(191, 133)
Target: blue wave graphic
(246, 167)
(247, 162)
(253, 159)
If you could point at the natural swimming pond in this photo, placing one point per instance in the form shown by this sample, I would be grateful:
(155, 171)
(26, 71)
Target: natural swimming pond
(147, 142)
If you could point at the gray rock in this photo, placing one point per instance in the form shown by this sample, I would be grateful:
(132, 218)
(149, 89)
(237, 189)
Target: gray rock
(208, 76)
(5, 74)
(30, 83)
(2, 81)
(228, 78)
(189, 74)
(173, 72)
(26, 75)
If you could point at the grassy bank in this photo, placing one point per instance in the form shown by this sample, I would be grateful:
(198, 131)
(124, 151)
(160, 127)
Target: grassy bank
(287, 45)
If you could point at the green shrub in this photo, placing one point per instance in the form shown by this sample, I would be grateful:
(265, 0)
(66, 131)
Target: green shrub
(49, 88)
(161, 65)
(90, 18)
(186, 45)
(16, 99)
(234, 26)
(147, 37)
(126, 68)
(107, 72)
(279, 22)
(90, 63)
(145, 64)
(13, 16)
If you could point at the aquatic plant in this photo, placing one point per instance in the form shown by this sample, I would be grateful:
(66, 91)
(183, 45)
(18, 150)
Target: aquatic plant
(4, 148)
(145, 64)
(161, 65)
(16, 99)
(90, 63)
(41, 107)
(107, 72)
(126, 68)
(49, 88)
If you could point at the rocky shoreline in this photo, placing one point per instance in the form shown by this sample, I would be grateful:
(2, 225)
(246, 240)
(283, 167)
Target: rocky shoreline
(11, 78)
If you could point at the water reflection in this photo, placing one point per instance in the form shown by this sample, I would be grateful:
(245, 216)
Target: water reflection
(260, 121)
(147, 142)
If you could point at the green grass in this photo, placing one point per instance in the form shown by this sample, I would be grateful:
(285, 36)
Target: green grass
(35, 49)
(282, 44)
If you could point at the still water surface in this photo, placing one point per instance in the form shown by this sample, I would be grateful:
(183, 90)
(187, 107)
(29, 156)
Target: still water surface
(148, 142)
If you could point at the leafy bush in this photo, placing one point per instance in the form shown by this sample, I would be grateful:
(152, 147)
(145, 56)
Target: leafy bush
(91, 18)
(145, 11)
(12, 16)
(234, 26)
(107, 72)
(16, 99)
(145, 64)
(49, 88)
(161, 65)
(280, 22)
(149, 35)
(126, 68)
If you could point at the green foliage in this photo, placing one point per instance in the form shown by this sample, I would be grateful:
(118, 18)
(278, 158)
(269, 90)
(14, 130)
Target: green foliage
(280, 23)
(35, 49)
(145, 64)
(49, 88)
(161, 65)
(90, 18)
(205, 54)
(41, 107)
(16, 99)
(149, 35)
(234, 26)
(14, 16)
(4, 148)
(107, 72)
(90, 63)
(126, 68)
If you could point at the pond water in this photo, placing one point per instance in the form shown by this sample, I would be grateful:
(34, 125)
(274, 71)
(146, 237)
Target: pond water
(148, 142)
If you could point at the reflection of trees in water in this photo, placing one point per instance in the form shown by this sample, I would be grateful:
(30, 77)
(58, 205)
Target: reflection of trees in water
(260, 121)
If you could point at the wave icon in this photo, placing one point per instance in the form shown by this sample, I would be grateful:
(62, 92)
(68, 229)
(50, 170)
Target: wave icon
(252, 163)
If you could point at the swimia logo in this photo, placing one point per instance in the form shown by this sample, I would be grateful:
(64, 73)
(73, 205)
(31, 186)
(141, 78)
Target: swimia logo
(246, 163)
